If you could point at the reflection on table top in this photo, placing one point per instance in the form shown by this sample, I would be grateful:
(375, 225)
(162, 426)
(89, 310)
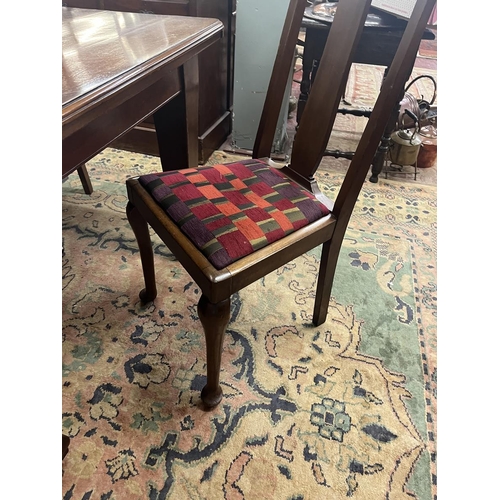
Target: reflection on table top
(376, 19)
(102, 48)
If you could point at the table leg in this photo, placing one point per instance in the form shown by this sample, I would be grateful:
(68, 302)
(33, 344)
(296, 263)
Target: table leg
(176, 123)
(380, 155)
(85, 179)
(378, 159)
(313, 49)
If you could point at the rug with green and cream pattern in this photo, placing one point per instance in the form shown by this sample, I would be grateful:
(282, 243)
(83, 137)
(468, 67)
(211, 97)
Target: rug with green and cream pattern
(344, 410)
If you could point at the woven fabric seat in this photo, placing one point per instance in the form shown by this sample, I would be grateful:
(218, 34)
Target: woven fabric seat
(230, 210)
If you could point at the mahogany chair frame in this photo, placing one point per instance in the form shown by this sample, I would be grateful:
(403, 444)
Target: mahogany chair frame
(311, 139)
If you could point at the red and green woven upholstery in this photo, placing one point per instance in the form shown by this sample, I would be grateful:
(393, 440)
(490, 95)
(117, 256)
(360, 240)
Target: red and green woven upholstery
(229, 211)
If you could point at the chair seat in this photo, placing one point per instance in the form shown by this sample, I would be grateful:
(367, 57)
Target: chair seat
(230, 210)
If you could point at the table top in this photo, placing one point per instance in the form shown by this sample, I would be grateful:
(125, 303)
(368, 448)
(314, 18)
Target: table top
(325, 12)
(104, 49)
(321, 16)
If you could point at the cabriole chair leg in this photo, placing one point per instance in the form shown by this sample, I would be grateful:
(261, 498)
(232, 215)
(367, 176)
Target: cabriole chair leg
(141, 231)
(214, 318)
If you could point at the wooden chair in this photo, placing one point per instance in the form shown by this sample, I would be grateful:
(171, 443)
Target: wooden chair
(230, 225)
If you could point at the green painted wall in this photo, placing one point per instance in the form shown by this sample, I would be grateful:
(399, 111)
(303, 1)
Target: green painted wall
(258, 30)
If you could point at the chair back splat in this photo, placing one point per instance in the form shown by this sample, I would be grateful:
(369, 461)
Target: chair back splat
(229, 225)
(317, 119)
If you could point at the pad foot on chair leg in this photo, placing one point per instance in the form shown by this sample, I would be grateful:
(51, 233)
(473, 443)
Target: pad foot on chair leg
(146, 296)
(211, 398)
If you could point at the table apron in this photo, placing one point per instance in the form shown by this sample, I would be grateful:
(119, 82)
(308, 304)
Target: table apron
(114, 117)
(374, 48)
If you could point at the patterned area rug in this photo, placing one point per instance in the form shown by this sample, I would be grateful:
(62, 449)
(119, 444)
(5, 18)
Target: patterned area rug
(344, 410)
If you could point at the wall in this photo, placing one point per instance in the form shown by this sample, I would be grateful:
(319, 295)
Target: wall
(258, 30)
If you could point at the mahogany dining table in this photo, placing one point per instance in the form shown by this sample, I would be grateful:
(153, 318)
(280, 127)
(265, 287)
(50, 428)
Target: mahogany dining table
(118, 68)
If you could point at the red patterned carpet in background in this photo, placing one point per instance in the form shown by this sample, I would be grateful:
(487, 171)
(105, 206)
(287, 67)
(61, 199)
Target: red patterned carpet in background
(428, 50)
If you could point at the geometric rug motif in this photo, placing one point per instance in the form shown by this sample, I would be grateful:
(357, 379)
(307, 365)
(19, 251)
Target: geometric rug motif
(343, 410)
